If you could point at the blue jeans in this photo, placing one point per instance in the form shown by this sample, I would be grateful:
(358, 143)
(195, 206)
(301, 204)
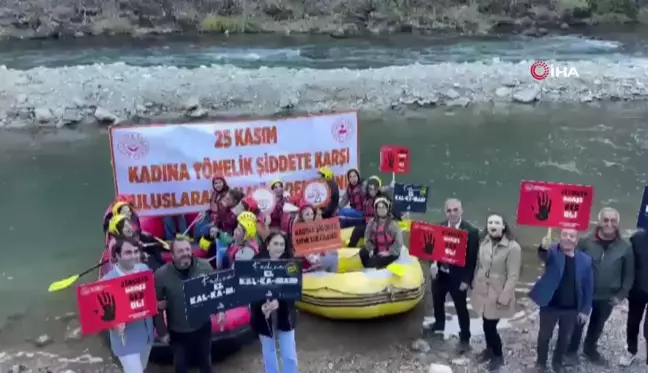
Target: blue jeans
(350, 217)
(174, 224)
(287, 349)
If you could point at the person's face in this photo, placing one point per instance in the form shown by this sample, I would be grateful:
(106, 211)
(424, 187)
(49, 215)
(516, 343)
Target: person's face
(276, 246)
(381, 210)
(228, 200)
(353, 178)
(453, 211)
(308, 214)
(181, 254)
(126, 211)
(128, 230)
(239, 233)
(372, 190)
(278, 189)
(218, 185)
(129, 256)
(568, 239)
(495, 226)
(609, 222)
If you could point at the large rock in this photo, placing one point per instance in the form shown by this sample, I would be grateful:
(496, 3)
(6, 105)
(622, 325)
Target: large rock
(439, 368)
(527, 95)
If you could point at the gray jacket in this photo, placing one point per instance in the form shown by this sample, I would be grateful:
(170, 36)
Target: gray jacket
(614, 267)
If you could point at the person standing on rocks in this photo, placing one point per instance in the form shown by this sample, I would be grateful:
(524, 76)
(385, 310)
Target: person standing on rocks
(496, 275)
(614, 272)
(564, 294)
(638, 297)
(190, 339)
(453, 279)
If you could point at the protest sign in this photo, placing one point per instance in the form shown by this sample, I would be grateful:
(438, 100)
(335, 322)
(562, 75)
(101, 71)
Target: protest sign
(554, 205)
(317, 193)
(410, 198)
(262, 279)
(169, 168)
(642, 217)
(209, 294)
(105, 304)
(438, 243)
(394, 159)
(317, 236)
(265, 199)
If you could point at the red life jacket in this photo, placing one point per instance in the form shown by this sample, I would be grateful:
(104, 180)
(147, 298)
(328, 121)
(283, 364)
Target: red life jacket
(277, 213)
(381, 237)
(214, 201)
(368, 208)
(234, 248)
(226, 220)
(356, 196)
(287, 220)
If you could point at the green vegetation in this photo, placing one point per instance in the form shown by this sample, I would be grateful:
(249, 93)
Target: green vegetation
(231, 24)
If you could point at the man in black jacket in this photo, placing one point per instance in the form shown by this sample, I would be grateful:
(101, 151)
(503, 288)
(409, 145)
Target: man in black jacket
(453, 279)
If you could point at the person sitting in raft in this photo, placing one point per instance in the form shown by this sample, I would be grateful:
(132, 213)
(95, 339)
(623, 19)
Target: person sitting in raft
(290, 212)
(120, 227)
(383, 237)
(354, 196)
(123, 206)
(322, 261)
(281, 198)
(131, 342)
(274, 320)
(373, 191)
(326, 174)
(219, 190)
(249, 204)
(244, 245)
(226, 217)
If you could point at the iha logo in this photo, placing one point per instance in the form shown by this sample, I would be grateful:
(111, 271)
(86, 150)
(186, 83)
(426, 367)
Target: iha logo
(342, 130)
(133, 145)
(540, 70)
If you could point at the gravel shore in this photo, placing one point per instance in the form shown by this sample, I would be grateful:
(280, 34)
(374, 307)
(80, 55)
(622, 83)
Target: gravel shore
(83, 96)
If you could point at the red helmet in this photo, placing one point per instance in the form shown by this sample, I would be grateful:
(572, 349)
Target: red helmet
(251, 204)
(128, 198)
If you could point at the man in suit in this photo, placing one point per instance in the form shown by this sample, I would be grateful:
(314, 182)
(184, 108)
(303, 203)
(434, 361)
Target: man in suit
(455, 280)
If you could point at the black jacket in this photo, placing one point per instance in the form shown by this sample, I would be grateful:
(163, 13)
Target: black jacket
(639, 242)
(329, 210)
(466, 273)
(286, 315)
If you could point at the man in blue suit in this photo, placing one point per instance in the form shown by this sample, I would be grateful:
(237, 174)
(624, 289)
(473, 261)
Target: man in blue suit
(564, 294)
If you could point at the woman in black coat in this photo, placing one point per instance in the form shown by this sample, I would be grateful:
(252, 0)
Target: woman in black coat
(275, 319)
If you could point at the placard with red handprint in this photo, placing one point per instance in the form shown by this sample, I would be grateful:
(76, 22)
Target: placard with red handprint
(108, 303)
(438, 243)
(394, 159)
(555, 205)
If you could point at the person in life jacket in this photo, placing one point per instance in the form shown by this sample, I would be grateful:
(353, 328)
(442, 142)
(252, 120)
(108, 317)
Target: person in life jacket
(308, 213)
(263, 221)
(290, 212)
(373, 191)
(326, 174)
(219, 190)
(226, 217)
(354, 197)
(383, 237)
(121, 227)
(123, 205)
(244, 245)
(281, 198)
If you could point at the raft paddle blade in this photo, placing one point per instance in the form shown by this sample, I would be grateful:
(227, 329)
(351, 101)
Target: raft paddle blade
(405, 225)
(62, 284)
(397, 269)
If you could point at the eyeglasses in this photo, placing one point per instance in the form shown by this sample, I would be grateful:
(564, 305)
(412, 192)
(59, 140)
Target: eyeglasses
(610, 220)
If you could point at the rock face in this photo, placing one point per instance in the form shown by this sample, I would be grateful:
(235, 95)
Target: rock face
(338, 18)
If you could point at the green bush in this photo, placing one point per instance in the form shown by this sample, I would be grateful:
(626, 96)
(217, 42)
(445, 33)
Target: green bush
(217, 23)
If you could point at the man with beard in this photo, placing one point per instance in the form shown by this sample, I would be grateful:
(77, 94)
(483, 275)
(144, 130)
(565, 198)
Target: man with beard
(453, 279)
(190, 339)
(563, 293)
(614, 272)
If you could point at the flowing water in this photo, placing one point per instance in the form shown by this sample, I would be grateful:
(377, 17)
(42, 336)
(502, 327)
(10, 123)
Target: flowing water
(54, 188)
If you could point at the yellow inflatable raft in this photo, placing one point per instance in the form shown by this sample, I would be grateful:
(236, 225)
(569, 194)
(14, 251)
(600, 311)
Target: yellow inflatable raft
(357, 293)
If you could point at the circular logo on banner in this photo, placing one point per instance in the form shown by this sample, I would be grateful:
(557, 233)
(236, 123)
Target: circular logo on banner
(317, 193)
(133, 145)
(342, 130)
(265, 198)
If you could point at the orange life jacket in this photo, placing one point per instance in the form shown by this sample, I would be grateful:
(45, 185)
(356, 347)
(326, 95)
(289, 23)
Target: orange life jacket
(368, 208)
(381, 237)
(287, 220)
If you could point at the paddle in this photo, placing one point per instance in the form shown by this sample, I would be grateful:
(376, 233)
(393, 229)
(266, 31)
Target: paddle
(62, 284)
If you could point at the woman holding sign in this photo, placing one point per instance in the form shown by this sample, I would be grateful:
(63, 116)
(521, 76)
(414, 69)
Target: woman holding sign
(496, 275)
(383, 237)
(275, 319)
(130, 342)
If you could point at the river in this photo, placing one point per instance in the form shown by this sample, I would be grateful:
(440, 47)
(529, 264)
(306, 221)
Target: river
(54, 187)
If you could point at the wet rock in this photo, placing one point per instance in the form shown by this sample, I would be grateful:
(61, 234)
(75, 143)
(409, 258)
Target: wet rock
(73, 331)
(503, 92)
(452, 94)
(197, 113)
(18, 368)
(527, 95)
(71, 116)
(439, 368)
(420, 345)
(459, 102)
(104, 116)
(43, 340)
(191, 103)
(44, 115)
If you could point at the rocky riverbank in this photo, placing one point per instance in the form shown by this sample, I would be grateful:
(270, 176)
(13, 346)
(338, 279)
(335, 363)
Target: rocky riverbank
(84, 96)
(49, 19)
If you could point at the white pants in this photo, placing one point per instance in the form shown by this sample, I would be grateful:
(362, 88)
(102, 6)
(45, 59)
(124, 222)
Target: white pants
(136, 363)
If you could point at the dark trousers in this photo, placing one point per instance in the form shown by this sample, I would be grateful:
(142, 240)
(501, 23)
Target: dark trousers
(637, 302)
(441, 286)
(492, 337)
(375, 261)
(357, 233)
(192, 348)
(549, 317)
(601, 311)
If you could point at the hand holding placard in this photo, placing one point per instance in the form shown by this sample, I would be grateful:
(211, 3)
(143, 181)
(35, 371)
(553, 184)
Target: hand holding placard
(438, 243)
(554, 205)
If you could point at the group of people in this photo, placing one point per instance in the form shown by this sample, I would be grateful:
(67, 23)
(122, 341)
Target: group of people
(584, 278)
(233, 228)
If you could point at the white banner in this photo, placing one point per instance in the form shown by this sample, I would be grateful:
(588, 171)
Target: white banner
(169, 168)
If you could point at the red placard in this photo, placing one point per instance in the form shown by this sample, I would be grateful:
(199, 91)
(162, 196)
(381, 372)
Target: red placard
(106, 304)
(555, 205)
(438, 243)
(394, 159)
